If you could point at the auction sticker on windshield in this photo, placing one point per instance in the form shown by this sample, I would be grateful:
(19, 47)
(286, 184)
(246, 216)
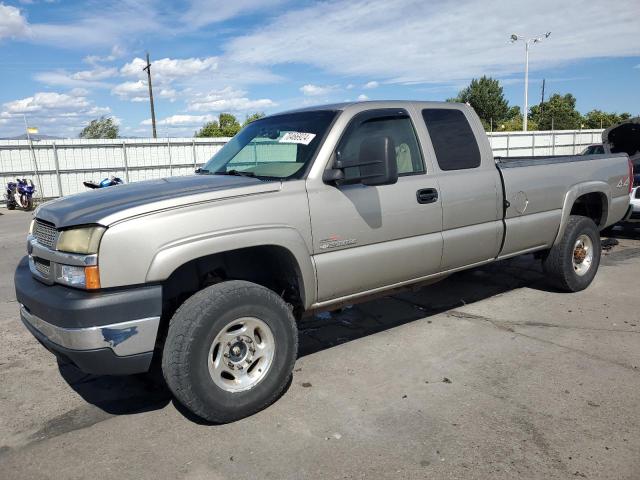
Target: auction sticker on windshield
(297, 137)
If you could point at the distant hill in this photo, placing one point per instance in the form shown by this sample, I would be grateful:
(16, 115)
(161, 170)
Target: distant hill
(37, 136)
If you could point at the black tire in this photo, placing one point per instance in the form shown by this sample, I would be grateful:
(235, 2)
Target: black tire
(558, 262)
(192, 331)
(11, 206)
(29, 206)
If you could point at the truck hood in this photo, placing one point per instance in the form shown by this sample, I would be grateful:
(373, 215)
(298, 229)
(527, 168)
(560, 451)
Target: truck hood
(624, 137)
(105, 206)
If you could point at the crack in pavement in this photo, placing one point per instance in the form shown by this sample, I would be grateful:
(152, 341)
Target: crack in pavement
(506, 326)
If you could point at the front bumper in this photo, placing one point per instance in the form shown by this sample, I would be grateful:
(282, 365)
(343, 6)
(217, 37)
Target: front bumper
(110, 332)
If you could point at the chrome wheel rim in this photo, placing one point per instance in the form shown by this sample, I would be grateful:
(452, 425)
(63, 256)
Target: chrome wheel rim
(241, 354)
(582, 255)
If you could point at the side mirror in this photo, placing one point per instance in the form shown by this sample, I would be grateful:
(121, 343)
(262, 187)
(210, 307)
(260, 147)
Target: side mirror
(375, 165)
(377, 161)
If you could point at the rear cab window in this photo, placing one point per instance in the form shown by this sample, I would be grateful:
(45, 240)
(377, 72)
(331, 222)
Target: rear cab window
(453, 141)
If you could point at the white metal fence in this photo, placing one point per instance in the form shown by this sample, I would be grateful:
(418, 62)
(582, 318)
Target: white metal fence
(58, 167)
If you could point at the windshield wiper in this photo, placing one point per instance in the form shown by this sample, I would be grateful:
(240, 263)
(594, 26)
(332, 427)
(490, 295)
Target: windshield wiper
(238, 173)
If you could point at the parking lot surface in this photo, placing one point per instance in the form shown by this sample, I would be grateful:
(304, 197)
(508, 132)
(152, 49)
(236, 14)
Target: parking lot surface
(488, 374)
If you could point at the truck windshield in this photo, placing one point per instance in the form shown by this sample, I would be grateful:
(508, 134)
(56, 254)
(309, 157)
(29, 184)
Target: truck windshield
(274, 147)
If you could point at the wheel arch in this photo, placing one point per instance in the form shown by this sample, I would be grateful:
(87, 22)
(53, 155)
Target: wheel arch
(590, 199)
(281, 246)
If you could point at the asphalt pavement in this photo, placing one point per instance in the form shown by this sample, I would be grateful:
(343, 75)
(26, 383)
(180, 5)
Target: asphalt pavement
(488, 374)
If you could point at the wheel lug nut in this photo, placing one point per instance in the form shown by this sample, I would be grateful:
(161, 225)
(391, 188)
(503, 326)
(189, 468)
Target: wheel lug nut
(239, 367)
(230, 365)
(226, 355)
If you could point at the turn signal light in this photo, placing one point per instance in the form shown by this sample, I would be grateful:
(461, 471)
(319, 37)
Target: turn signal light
(92, 277)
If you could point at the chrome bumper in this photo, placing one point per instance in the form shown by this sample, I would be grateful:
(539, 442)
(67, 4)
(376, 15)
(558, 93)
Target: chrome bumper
(126, 338)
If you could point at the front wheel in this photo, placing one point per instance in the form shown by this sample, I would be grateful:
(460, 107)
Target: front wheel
(572, 264)
(230, 350)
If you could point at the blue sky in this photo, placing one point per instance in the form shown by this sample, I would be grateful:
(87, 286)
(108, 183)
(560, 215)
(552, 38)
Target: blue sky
(65, 62)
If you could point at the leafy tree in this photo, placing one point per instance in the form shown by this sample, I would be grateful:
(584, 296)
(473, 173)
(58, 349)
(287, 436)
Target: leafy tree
(514, 123)
(103, 127)
(209, 129)
(558, 112)
(486, 97)
(600, 119)
(229, 125)
(252, 118)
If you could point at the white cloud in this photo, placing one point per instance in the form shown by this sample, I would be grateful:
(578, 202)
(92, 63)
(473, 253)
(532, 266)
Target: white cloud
(371, 84)
(116, 52)
(311, 90)
(439, 41)
(227, 100)
(45, 101)
(12, 22)
(182, 120)
(167, 69)
(132, 91)
(362, 97)
(204, 12)
(53, 112)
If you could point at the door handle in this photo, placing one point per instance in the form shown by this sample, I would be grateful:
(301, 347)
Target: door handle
(427, 195)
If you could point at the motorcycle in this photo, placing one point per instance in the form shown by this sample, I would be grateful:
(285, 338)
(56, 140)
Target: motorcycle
(107, 182)
(20, 194)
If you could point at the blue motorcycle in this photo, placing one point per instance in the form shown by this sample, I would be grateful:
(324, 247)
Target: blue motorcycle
(107, 182)
(20, 194)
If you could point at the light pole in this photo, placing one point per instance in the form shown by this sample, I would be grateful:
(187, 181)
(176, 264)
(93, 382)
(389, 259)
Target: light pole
(527, 41)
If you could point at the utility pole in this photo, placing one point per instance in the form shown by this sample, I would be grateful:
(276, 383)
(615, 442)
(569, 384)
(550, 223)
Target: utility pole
(153, 112)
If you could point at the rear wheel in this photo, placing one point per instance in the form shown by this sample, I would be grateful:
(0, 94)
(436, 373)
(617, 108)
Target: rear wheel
(572, 264)
(230, 350)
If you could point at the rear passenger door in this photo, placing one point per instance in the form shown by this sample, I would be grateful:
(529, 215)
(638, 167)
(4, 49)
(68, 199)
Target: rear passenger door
(470, 187)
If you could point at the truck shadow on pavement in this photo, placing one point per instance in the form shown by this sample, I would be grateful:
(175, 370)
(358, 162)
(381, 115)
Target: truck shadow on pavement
(140, 393)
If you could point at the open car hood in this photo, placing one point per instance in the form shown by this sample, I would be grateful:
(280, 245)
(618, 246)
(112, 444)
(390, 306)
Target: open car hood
(624, 137)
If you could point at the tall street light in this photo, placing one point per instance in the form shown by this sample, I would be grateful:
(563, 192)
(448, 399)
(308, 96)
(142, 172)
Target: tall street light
(527, 41)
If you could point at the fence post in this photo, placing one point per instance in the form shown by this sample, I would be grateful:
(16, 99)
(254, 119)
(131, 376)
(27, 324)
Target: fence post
(193, 152)
(170, 162)
(533, 144)
(574, 142)
(57, 165)
(553, 142)
(508, 137)
(126, 161)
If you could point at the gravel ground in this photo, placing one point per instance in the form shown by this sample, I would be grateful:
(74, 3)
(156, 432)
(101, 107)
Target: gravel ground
(488, 374)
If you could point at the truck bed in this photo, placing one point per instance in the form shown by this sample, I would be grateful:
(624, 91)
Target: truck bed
(536, 189)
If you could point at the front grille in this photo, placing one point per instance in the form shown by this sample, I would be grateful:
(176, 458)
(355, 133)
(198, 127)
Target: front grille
(42, 266)
(45, 234)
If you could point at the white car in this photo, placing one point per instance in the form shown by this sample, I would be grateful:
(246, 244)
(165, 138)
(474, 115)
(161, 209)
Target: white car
(635, 198)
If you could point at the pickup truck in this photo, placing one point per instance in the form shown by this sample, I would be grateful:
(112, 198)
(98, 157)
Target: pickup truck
(302, 211)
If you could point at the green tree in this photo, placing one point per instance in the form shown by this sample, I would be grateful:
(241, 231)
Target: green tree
(103, 127)
(209, 129)
(226, 126)
(229, 125)
(558, 112)
(600, 119)
(252, 118)
(486, 97)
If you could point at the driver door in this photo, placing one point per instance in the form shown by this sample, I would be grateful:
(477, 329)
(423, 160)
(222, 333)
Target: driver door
(370, 237)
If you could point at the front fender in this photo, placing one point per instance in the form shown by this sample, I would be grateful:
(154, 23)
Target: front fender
(173, 255)
(575, 192)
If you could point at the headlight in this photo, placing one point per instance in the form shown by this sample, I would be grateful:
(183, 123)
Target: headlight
(33, 221)
(80, 240)
(81, 277)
